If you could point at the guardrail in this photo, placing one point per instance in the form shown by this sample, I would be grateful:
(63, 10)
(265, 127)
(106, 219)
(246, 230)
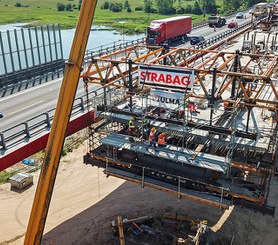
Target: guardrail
(24, 131)
(220, 36)
(104, 49)
(34, 81)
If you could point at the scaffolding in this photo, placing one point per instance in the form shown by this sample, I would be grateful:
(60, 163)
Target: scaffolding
(214, 145)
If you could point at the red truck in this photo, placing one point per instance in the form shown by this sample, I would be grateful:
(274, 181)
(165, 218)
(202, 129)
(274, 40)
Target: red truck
(168, 30)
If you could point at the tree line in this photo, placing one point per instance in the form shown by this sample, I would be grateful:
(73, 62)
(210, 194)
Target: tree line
(198, 7)
(167, 7)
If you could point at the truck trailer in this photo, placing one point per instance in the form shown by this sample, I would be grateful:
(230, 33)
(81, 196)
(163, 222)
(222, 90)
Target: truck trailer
(165, 31)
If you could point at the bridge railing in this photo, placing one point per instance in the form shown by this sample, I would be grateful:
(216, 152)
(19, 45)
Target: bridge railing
(34, 126)
(23, 132)
(222, 35)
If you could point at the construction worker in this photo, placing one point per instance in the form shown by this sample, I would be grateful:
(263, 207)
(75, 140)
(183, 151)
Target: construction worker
(131, 126)
(161, 139)
(152, 137)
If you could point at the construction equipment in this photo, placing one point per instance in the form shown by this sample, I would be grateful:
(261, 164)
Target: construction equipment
(260, 10)
(58, 130)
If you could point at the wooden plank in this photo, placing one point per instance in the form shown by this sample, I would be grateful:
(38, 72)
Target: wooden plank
(121, 230)
(198, 149)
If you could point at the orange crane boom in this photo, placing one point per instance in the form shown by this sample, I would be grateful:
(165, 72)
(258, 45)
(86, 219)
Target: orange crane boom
(56, 139)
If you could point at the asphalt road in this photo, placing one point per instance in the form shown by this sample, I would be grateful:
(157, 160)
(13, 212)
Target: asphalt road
(24, 105)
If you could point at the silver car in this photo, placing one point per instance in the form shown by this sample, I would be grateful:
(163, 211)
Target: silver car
(240, 15)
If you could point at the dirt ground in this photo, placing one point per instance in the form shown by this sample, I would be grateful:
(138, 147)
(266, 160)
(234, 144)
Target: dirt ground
(84, 203)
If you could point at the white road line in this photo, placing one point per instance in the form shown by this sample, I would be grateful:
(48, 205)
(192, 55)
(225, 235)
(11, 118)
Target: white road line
(31, 89)
(38, 102)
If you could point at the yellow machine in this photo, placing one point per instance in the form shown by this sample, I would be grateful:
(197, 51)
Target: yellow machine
(58, 130)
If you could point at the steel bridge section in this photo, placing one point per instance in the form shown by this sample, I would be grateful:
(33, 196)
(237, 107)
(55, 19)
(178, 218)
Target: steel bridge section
(243, 82)
(242, 74)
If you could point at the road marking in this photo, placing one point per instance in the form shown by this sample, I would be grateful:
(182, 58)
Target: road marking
(38, 102)
(31, 89)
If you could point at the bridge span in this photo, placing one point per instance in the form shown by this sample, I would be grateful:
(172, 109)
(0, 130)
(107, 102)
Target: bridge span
(26, 135)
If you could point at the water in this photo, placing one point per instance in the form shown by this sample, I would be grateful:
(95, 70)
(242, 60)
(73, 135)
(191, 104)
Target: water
(97, 38)
(12, 26)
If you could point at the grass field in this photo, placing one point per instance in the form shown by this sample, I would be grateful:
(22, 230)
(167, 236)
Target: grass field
(45, 12)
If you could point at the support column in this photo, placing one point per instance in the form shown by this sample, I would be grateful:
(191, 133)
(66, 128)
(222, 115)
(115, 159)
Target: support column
(234, 79)
(130, 85)
(248, 118)
(212, 96)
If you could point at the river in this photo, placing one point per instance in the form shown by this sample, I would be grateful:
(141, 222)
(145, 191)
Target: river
(97, 38)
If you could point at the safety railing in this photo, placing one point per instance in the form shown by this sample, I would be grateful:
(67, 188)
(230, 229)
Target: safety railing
(34, 126)
(108, 49)
(221, 36)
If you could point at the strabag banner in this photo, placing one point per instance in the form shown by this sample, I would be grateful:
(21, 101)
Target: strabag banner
(166, 77)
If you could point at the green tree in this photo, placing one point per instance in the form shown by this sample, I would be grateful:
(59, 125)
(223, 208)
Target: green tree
(196, 8)
(231, 5)
(68, 7)
(116, 7)
(79, 4)
(180, 10)
(165, 6)
(250, 3)
(148, 6)
(208, 6)
(126, 4)
(60, 7)
(188, 9)
(105, 5)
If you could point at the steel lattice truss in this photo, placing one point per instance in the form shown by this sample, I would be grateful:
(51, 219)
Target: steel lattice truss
(250, 77)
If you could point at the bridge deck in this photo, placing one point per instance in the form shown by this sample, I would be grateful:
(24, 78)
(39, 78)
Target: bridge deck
(169, 152)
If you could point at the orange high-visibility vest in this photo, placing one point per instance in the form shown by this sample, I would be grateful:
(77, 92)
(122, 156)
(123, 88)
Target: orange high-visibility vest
(161, 139)
(151, 136)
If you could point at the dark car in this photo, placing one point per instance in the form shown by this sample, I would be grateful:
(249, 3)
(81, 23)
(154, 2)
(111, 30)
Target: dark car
(239, 15)
(233, 24)
(1, 114)
(197, 39)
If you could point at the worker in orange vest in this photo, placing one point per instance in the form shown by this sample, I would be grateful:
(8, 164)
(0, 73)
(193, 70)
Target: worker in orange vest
(152, 137)
(161, 139)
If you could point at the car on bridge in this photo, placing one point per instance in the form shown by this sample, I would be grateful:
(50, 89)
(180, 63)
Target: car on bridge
(197, 39)
(1, 115)
(233, 24)
(240, 15)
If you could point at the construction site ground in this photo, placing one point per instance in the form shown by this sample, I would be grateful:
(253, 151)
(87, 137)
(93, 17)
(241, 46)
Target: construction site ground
(85, 203)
